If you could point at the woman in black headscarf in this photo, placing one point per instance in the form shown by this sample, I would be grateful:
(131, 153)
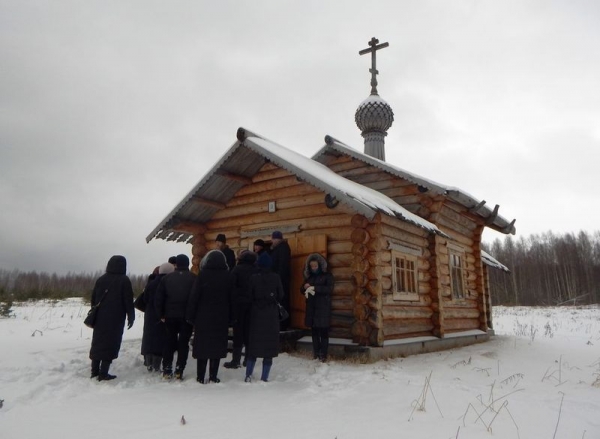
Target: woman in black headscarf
(266, 291)
(209, 310)
(114, 294)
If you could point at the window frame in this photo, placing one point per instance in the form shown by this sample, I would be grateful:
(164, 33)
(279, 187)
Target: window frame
(412, 296)
(456, 252)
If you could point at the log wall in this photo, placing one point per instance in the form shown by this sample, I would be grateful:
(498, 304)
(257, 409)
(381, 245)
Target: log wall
(436, 304)
(364, 308)
(469, 312)
(300, 205)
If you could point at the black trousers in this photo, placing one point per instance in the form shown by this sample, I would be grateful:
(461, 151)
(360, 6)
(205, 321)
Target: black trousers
(177, 340)
(212, 371)
(285, 302)
(241, 330)
(320, 341)
(100, 367)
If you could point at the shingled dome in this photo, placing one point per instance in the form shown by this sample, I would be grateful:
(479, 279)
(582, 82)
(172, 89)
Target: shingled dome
(374, 114)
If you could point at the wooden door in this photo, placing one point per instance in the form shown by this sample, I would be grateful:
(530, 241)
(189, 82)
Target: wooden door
(301, 247)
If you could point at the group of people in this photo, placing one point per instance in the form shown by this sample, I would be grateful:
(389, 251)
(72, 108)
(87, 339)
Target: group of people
(244, 293)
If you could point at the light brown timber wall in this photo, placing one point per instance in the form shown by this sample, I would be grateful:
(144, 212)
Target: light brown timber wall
(297, 204)
(468, 312)
(435, 300)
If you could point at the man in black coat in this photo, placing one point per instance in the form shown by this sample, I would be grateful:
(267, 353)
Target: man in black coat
(171, 301)
(259, 246)
(242, 302)
(229, 254)
(281, 256)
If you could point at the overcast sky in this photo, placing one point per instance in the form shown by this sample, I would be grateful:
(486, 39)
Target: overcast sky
(111, 111)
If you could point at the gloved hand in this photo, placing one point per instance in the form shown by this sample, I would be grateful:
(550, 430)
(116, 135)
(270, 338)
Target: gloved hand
(309, 290)
(129, 323)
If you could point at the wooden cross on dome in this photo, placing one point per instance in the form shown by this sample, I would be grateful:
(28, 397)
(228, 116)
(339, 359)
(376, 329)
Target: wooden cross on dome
(374, 48)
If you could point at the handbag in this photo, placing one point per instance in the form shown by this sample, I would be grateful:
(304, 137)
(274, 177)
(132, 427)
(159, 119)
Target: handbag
(283, 314)
(90, 319)
(140, 303)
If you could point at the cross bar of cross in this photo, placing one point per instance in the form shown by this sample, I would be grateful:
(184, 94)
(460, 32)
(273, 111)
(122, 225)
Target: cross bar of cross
(375, 46)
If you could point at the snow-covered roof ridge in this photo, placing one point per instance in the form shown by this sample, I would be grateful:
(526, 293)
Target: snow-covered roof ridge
(462, 197)
(211, 192)
(365, 200)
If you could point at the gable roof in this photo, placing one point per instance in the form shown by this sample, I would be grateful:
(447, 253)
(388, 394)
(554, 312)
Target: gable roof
(244, 159)
(475, 206)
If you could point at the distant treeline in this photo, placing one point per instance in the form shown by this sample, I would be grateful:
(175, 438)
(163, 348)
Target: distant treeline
(30, 285)
(547, 269)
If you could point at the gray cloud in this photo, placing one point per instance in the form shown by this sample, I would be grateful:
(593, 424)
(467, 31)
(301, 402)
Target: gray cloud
(112, 111)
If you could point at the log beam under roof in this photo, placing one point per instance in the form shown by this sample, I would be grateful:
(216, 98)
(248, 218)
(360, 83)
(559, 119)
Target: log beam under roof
(235, 177)
(490, 219)
(209, 203)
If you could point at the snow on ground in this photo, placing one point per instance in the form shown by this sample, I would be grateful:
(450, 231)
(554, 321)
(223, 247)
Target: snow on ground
(539, 377)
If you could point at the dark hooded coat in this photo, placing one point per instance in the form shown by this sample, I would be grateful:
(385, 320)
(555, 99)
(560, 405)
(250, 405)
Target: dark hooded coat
(281, 255)
(229, 256)
(114, 292)
(174, 290)
(209, 307)
(153, 339)
(266, 290)
(241, 274)
(318, 306)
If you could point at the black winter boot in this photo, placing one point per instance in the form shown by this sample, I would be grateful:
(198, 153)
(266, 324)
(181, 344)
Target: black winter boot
(95, 368)
(104, 375)
(213, 370)
(235, 359)
(156, 360)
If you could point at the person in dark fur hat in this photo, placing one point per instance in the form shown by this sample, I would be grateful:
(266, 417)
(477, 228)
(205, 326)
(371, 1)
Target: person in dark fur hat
(282, 260)
(221, 243)
(318, 288)
(242, 302)
(114, 296)
(259, 246)
(170, 302)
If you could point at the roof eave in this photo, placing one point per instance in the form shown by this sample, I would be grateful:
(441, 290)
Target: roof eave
(493, 220)
(191, 193)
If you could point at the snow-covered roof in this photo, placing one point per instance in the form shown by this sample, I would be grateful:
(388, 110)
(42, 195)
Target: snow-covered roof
(245, 157)
(478, 207)
(492, 262)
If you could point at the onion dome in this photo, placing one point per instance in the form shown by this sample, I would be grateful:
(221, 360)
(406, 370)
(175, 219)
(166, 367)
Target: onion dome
(374, 114)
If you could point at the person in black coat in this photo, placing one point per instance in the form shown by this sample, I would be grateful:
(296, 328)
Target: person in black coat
(242, 302)
(170, 302)
(259, 247)
(153, 339)
(209, 310)
(282, 260)
(114, 293)
(229, 254)
(318, 288)
(265, 290)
